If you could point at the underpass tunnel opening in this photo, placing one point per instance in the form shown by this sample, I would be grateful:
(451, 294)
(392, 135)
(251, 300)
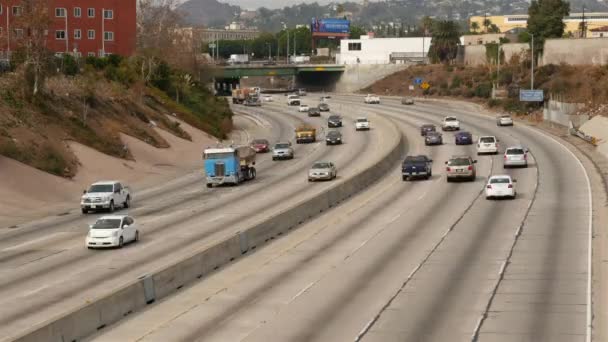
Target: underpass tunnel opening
(224, 86)
(324, 81)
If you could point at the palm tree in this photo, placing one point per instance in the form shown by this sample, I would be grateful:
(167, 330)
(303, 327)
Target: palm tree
(486, 24)
(446, 38)
(474, 27)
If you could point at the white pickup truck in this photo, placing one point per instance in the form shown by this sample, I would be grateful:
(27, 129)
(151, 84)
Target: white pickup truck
(106, 195)
(293, 100)
(372, 99)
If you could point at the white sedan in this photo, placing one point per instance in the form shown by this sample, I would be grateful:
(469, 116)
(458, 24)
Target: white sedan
(267, 98)
(112, 231)
(502, 186)
(303, 108)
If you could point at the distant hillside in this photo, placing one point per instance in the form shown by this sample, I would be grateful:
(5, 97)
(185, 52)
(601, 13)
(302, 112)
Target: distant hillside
(211, 13)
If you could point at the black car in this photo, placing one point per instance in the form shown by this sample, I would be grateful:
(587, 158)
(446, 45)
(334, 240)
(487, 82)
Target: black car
(416, 166)
(334, 121)
(333, 138)
(424, 129)
(463, 138)
(314, 111)
(433, 138)
(324, 107)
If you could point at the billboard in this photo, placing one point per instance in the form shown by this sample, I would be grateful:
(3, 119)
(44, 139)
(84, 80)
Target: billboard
(330, 26)
(526, 95)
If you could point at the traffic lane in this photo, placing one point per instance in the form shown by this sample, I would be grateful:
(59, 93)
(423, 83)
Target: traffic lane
(554, 246)
(167, 195)
(349, 230)
(132, 264)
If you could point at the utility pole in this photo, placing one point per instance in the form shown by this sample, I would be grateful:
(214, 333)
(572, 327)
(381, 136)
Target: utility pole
(532, 69)
(498, 68)
(295, 54)
(584, 28)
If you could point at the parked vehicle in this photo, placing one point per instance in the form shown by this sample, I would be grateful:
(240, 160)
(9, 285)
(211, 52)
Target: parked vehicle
(463, 138)
(112, 231)
(450, 123)
(293, 100)
(324, 107)
(362, 124)
(504, 120)
(260, 145)
(426, 128)
(238, 59)
(433, 138)
(282, 150)
(322, 171)
(229, 165)
(487, 144)
(105, 195)
(372, 99)
(314, 111)
(303, 108)
(461, 167)
(417, 166)
(305, 134)
(515, 156)
(334, 121)
(407, 101)
(502, 186)
(333, 138)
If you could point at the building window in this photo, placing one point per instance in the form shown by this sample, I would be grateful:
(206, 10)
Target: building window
(60, 12)
(60, 35)
(354, 46)
(17, 11)
(91, 12)
(18, 33)
(108, 36)
(91, 54)
(91, 34)
(108, 14)
(77, 12)
(77, 34)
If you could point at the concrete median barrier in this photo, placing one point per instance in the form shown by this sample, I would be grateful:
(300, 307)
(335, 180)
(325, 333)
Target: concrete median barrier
(103, 311)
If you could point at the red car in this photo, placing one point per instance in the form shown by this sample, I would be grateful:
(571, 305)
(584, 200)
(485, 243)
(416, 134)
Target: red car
(260, 145)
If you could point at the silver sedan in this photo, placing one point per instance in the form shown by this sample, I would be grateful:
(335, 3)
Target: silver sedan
(322, 171)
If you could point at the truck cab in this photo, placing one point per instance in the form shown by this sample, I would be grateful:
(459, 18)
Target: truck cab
(306, 134)
(229, 165)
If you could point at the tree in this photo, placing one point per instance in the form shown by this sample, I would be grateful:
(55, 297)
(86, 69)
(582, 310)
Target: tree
(446, 38)
(486, 24)
(356, 32)
(474, 27)
(545, 20)
(427, 24)
(493, 29)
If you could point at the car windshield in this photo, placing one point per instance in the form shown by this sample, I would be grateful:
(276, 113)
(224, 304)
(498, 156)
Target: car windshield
(260, 142)
(361, 120)
(487, 140)
(459, 162)
(515, 151)
(450, 119)
(101, 188)
(499, 181)
(107, 224)
(320, 166)
(281, 146)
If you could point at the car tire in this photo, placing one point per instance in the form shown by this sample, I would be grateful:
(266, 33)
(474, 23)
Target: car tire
(209, 185)
(112, 208)
(127, 203)
(273, 158)
(449, 179)
(121, 242)
(136, 238)
(404, 178)
(84, 211)
(254, 173)
(309, 180)
(427, 177)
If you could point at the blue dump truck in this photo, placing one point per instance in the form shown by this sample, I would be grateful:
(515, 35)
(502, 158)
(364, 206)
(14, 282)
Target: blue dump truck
(417, 166)
(229, 165)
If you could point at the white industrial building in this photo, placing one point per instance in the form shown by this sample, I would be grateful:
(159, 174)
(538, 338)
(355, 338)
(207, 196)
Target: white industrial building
(368, 50)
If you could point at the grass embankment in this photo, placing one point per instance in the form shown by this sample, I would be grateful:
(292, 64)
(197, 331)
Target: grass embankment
(580, 84)
(92, 103)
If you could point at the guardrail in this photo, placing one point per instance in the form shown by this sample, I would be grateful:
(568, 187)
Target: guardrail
(97, 314)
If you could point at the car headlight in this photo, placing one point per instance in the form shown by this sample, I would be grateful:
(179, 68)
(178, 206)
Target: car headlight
(338, 139)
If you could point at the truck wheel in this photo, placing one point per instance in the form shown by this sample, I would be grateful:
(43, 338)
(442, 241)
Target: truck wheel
(127, 203)
(112, 206)
(85, 211)
(404, 178)
(254, 173)
(209, 185)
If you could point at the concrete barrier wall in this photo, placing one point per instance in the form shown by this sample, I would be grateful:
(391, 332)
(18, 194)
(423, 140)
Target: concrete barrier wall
(563, 112)
(132, 297)
(584, 51)
(476, 54)
(359, 76)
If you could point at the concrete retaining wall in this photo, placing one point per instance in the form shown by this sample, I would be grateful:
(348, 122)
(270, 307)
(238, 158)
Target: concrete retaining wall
(562, 113)
(584, 51)
(132, 297)
(356, 77)
(476, 54)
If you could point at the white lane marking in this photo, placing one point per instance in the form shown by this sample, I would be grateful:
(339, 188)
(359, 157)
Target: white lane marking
(32, 292)
(31, 242)
(302, 291)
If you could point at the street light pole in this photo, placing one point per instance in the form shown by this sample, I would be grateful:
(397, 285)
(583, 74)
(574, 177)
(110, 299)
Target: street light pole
(498, 68)
(532, 68)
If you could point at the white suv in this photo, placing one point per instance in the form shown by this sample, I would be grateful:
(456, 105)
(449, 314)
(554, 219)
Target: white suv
(516, 156)
(487, 144)
(361, 124)
(450, 123)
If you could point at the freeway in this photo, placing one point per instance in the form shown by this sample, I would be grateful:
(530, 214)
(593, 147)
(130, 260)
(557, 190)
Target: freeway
(409, 261)
(46, 270)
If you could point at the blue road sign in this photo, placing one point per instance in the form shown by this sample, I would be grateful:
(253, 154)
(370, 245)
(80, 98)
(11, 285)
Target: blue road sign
(526, 95)
(418, 80)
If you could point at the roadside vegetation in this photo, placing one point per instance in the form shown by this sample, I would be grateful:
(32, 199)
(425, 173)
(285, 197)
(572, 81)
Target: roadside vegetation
(47, 101)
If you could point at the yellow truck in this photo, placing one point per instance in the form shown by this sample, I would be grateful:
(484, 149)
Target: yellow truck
(306, 134)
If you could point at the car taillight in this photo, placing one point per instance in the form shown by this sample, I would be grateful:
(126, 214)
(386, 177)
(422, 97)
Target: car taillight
(448, 169)
(510, 186)
(505, 157)
(489, 186)
(470, 167)
(525, 156)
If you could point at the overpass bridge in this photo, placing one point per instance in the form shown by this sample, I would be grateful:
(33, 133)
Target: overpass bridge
(248, 70)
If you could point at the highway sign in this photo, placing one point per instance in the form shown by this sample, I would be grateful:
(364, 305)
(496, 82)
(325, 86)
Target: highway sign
(418, 80)
(425, 86)
(527, 95)
(411, 87)
(212, 46)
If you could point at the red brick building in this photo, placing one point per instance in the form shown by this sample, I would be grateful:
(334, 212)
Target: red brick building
(82, 27)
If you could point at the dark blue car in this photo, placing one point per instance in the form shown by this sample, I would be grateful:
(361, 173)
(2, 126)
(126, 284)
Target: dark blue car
(463, 138)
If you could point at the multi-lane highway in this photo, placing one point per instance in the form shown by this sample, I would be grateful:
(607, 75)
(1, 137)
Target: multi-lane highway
(402, 261)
